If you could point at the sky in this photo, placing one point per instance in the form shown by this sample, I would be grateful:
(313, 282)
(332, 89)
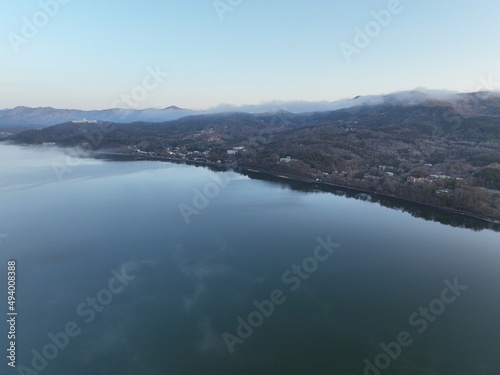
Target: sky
(98, 54)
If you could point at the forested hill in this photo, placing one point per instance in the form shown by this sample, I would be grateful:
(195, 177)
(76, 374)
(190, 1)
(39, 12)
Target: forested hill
(436, 152)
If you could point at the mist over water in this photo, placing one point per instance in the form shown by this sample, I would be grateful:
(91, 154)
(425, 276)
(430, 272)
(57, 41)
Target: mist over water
(192, 281)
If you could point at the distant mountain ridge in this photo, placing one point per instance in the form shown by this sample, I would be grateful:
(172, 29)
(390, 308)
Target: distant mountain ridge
(47, 116)
(465, 103)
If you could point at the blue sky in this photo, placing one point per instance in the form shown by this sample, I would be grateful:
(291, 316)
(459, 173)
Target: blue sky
(88, 54)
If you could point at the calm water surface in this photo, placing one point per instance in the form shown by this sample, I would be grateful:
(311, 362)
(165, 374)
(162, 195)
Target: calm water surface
(74, 225)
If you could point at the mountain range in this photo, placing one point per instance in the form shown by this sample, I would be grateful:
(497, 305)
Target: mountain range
(441, 149)
(26, 117)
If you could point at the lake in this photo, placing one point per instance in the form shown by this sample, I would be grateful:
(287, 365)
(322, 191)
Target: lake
(160, 268)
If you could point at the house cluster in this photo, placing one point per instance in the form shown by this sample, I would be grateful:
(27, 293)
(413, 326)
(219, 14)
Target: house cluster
(419, 180)
(174, 153)
(436, 177)
(177, 153)
(444, 193)
(370, 177)
(387, 168)
(288, 159)
(5, 134)
(84, 121)
(431, 178)
(235, 150)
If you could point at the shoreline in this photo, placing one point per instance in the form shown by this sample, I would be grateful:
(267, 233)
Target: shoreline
(291, 178)
(490, 220)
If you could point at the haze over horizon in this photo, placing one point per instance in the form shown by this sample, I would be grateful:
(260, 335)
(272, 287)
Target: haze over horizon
(405, 97)
(198, 55)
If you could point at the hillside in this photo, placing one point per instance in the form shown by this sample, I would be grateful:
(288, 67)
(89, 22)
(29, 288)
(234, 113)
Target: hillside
(436, 152)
